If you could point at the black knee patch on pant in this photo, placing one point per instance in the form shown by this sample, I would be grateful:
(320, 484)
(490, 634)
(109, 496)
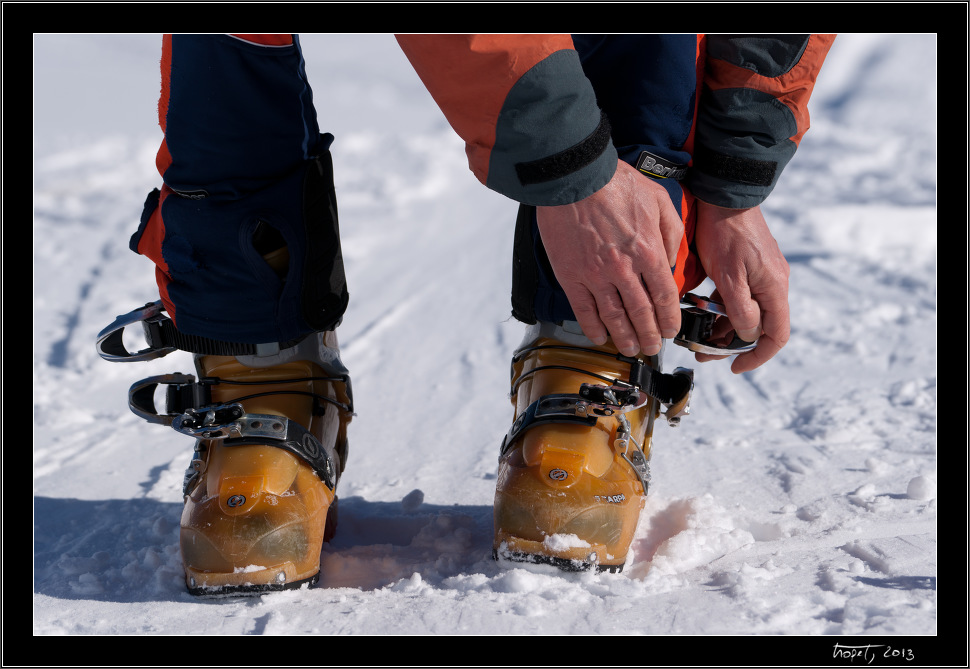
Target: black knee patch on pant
(325, 294)
(217, 272)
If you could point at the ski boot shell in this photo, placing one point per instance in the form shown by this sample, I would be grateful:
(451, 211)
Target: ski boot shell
(256, 510)
(573, 472)
(271, 443)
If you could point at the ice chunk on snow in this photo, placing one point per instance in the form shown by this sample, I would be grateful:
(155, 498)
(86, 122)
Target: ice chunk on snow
(921, 487)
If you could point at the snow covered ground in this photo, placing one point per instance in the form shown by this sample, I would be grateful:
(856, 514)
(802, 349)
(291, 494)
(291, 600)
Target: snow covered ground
(799, 499)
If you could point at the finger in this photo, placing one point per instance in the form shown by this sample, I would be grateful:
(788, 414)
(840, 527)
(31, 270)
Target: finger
(665, 298)
(661, 285)
(777, 331)
(587, 315)
(613, 314)
(646, 335)
(763, 352)
(742, 310)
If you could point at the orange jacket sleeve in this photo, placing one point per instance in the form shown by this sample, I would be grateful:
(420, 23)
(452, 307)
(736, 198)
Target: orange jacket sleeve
(752, 114)
(527, 113)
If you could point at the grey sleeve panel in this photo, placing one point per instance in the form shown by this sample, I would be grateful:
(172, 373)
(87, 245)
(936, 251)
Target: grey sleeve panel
(768, 56)
(742, 146)
(743, 135)
(552, 144)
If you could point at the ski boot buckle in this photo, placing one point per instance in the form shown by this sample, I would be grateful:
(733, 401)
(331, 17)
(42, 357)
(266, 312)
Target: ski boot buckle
(697, 320)
(607, 400)
(231, 423)
(110, 341)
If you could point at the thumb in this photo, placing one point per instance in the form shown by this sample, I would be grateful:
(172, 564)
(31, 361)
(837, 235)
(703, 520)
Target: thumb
(743, 312)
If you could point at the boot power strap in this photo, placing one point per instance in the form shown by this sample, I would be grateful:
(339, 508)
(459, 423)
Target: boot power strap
(162, 338)
(563, 408)
(230, 423)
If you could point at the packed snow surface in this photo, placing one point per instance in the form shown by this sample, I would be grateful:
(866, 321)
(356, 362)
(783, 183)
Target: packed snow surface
(798, 499)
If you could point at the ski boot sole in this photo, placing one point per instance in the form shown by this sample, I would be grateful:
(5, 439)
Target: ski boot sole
(249, 589)
(563, 564)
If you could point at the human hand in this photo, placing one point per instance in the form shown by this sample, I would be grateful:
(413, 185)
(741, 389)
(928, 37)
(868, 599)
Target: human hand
(612, 253)
(743, 260)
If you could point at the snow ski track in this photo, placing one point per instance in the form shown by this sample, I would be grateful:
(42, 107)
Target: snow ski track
(852, 541)
(367, 337)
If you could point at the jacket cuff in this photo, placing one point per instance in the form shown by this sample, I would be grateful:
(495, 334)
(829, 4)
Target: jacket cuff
(552, 143)
(736, 182)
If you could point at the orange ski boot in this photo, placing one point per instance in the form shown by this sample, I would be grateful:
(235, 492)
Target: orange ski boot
(573, 470)
(260, 499)
(260, 493)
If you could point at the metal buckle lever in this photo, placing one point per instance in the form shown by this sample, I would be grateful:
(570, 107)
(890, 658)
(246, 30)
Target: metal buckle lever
(608, 400)
(698, 316)
(182, 392)
(110, 341)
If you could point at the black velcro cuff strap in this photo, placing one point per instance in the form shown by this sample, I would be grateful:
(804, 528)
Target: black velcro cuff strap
(738, 170)
(568, 161)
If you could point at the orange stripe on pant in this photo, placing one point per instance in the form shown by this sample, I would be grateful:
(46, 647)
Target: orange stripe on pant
(150, 246)
(163, 158)
(689, 273)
